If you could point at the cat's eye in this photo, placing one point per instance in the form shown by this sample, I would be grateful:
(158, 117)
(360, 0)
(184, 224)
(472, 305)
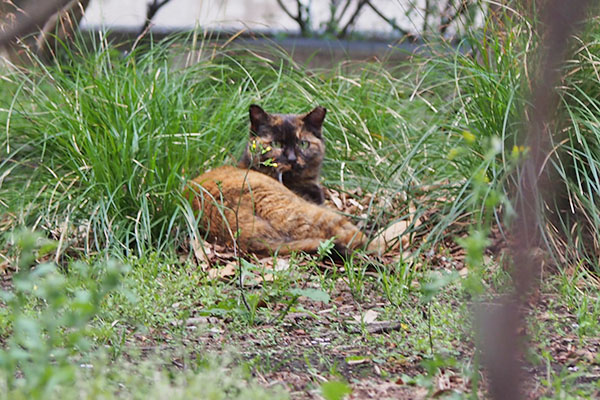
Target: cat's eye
(304, 144)
(277, 144)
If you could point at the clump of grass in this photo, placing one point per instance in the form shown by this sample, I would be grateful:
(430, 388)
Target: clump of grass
(487, 81)
(491, 75)
(102, 140)
(576, 212)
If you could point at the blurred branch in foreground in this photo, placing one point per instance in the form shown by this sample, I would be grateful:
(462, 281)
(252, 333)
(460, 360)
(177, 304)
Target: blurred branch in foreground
(502, 324)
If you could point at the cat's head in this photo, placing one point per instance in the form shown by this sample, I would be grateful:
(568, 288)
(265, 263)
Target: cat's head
(286, 143)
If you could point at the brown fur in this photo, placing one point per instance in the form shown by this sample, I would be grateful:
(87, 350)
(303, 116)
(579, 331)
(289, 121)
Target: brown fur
(270, 217)
(300, 153)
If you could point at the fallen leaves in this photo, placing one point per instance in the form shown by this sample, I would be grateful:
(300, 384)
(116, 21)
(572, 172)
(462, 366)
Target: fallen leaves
(368, 322)
(223, 273)
(392, 238)
(367, 318)
(256, 272)
(200, 250)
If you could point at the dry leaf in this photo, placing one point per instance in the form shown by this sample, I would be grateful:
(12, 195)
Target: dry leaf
(282, 264)
(256, 279)
(389, 238)
(356, 204)
(201, 250)
(222, 273)
(336, 200)
(357, 361)
(367, 318)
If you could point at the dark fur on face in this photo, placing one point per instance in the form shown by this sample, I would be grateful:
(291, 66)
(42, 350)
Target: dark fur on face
(288, 147)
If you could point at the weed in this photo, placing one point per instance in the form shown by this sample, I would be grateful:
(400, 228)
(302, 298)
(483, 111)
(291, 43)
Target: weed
(49, 319)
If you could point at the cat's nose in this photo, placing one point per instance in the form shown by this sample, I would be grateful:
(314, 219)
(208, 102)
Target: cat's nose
(291, 156)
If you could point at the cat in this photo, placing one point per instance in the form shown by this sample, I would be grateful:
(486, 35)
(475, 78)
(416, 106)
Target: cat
(265, 216)
(294, 146)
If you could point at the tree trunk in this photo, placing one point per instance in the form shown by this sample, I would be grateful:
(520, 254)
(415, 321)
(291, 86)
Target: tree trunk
(39, 39)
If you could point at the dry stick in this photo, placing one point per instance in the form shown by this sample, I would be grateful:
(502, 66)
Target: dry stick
(237, 256)
(34, 14)
(500, 328)
(447, 19)
(150, 13)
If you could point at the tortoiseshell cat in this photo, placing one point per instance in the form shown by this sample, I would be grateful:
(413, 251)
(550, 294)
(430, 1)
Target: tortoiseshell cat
(295, 145)
(265, 215)
(255, 206)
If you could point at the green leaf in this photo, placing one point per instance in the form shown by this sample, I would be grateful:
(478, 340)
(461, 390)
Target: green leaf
(435, 283)
(325, 247)
(335, 390)
(313, 294)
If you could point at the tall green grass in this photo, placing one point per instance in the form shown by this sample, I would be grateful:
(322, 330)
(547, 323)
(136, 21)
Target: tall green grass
(578, 148)
(105, 139)
(99, 145)
(491, 76)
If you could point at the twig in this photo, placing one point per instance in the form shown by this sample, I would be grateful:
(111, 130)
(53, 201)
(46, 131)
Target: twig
(448, 19)
(350, 22)
(386, 19)
(150, 13)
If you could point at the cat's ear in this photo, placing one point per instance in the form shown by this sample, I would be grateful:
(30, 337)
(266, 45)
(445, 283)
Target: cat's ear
(315, 117)
(258, 117)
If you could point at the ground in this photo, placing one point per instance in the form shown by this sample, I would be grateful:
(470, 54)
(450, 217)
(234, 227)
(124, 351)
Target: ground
(385, 330)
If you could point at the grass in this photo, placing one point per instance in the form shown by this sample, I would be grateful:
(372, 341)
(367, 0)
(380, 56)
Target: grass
(97, 147)
(118, 135)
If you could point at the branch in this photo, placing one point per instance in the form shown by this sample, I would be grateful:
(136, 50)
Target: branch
(298, 18)
(447, 20)
(359, 7)
(386, 19)
(33, 16)
(151, 12)
(285, 10)
(344, 9)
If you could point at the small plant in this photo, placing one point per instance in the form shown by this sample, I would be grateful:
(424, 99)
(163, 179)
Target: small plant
(335, 390)
(49, 318)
